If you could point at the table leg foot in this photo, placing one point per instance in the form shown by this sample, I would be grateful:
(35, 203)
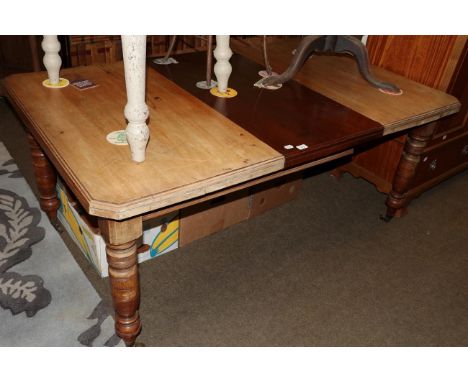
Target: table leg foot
(336, 173)
(394, 214)
(58, 227)
(386, 218)
(46, 180)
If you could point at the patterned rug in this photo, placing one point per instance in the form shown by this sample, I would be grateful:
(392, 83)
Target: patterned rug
(45, 299)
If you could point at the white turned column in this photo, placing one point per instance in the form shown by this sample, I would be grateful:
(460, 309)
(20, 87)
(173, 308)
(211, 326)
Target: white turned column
(52, 61)
(222, 67)
(136, 110)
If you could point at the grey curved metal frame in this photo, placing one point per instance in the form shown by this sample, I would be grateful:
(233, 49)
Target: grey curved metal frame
(331, 44)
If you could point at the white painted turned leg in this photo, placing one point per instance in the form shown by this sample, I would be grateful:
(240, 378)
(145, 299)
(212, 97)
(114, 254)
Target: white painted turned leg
(136, 110)
(52, 61)
(222, 67)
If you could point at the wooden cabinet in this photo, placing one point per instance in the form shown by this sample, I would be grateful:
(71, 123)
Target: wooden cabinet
(437, 61)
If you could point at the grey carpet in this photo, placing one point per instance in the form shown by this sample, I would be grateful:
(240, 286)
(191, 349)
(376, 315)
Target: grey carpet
(45, 299)
(322, 270)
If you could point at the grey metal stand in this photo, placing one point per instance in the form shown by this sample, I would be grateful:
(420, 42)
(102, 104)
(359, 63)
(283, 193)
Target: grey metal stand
(331, 44)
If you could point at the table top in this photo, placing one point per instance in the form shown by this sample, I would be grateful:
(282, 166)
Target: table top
(193, 150)
(285, 119)
(196, 149)
(338, 78)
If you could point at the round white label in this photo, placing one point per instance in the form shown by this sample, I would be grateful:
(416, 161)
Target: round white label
(117, 138)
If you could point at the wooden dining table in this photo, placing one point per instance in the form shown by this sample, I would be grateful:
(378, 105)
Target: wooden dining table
(202, 146)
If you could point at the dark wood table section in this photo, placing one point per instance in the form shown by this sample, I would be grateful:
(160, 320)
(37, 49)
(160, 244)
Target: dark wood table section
(292, 115)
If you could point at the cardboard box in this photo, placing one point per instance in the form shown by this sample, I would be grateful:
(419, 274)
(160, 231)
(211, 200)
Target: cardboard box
(274, 193)
(215, 215)
(161, 235)
(166, 233)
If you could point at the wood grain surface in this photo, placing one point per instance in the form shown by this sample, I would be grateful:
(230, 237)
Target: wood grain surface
(293, 115)
(121, 249)
(429, 60)
(193, 150)
(338, 78)
(46, 180)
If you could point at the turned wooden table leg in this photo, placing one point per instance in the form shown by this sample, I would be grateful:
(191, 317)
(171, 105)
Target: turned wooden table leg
(136, 111)
(415, 143)
(222, 67)
(121, 251)
(46, 180)
(52, 61)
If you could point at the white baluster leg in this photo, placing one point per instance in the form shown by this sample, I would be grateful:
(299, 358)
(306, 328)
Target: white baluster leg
(136, 110)
(52, 61)
(222, 67)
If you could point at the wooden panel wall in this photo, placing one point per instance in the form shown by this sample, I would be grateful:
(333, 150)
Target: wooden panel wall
(458, 86)
(86, 50)
(427, 59)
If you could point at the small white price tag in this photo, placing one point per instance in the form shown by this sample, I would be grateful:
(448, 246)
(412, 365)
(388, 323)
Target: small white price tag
(289, 147)
(302, 147)
(117, 138)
